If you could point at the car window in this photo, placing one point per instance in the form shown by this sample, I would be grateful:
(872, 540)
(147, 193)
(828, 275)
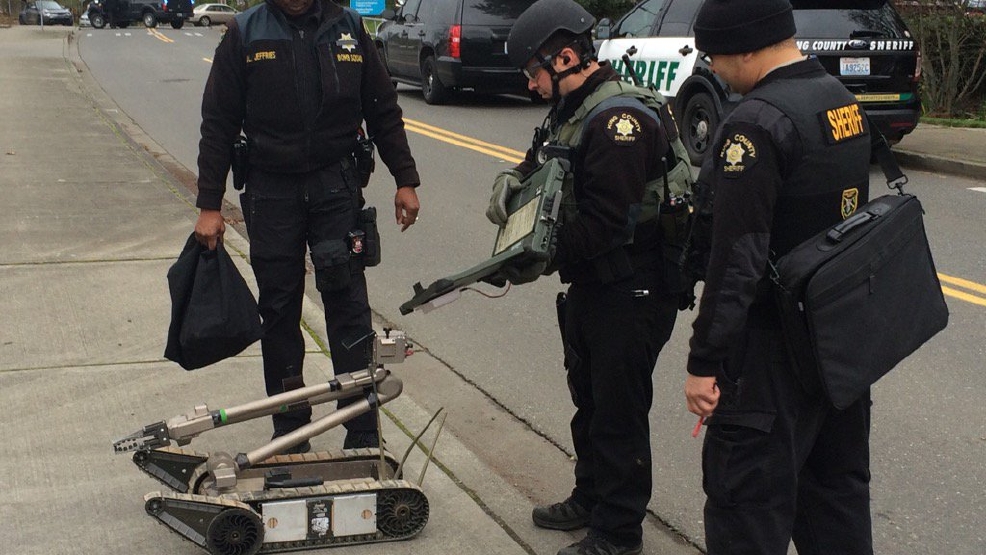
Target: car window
(639, 22)
(436, 12)
(410, 9)
(47, 5)
(678, 19)
(866, 19)
(493, 12)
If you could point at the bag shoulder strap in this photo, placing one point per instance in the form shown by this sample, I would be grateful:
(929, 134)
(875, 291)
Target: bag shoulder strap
(885, 157)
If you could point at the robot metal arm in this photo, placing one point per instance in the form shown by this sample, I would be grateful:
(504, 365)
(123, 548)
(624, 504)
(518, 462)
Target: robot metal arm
(183, 428)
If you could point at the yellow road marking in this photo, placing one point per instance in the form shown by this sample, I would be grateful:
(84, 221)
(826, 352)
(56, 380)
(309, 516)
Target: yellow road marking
(963, 296)
(158, 35)
(964, 283)
(449, 137)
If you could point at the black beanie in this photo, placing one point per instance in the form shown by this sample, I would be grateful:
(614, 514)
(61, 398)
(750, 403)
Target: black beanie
(739, 26)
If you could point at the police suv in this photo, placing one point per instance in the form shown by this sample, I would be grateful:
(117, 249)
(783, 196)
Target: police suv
(864, 43)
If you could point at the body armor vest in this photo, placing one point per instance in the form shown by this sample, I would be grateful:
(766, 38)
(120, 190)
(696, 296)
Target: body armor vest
(672, 189)
(832, 178)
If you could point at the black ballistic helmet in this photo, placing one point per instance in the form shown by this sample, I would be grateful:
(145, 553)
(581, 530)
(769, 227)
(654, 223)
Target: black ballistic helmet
(539, 22)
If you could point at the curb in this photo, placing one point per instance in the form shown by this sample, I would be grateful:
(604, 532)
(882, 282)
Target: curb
(937, 164)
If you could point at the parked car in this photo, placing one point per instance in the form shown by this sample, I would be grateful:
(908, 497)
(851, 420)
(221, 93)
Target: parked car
(448, 45)
(121, 13)
(207, 14)
(84, 19)
(52, 12)
(864, 43)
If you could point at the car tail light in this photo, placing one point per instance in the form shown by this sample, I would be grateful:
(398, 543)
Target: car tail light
(455, 41)
(917, 67)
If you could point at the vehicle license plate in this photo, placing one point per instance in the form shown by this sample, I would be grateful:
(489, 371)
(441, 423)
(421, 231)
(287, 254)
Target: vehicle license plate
(854, 66)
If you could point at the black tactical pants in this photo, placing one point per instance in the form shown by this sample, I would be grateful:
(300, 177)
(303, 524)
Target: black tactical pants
(613, 334)
(779, 463)
(284, 213)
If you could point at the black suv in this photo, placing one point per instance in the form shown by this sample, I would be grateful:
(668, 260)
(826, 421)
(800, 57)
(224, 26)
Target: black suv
(446, 45)
(121, 13)
(864, 43)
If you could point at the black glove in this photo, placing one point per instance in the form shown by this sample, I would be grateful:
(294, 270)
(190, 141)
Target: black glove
(530, 270)
(525, 273)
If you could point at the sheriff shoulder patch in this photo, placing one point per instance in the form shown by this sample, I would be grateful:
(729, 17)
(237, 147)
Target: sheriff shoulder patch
(842, 123)
(850, 201)
(738, 154)
(623, 129)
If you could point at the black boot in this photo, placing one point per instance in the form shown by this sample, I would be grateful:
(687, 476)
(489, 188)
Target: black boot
(357, 439)
(595, 545)
(567, 515)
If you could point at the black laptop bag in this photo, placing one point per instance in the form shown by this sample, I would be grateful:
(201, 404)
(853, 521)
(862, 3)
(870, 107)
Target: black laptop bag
(861, 296)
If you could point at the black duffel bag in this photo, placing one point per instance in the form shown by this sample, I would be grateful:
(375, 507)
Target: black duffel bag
(213, 312)
(859, 297)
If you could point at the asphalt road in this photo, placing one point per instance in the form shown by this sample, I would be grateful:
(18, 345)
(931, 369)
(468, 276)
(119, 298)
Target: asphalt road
(929, 426)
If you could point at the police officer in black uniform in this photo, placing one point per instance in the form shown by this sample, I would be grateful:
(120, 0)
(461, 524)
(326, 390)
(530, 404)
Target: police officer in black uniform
(792, 159)
(299, 78)
(619, 312)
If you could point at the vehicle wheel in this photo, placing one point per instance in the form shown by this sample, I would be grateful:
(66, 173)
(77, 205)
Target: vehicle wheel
(97, 21)
(205, 21)
(150, 20)
(699, 122)
(431, 87)
(177, 23)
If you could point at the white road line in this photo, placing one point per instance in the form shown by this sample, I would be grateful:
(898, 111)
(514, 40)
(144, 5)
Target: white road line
(978, 189)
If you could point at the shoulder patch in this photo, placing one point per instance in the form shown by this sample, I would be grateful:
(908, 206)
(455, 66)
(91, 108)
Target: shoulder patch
(623, 128)
(737, 154)
(842, 123)
(850, 201)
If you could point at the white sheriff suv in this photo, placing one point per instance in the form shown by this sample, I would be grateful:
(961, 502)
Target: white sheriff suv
(864, 43)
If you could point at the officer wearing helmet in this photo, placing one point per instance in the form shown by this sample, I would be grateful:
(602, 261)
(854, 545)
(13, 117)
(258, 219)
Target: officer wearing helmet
(620, 306)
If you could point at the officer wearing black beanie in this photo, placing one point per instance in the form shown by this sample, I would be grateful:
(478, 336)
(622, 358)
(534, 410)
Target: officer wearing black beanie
(736, 26)
(779, 462)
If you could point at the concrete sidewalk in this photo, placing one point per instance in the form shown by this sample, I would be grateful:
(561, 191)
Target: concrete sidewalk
(90, 224)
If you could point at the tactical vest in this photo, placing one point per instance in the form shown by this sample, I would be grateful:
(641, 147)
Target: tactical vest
(832, 178)
(612, 94)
